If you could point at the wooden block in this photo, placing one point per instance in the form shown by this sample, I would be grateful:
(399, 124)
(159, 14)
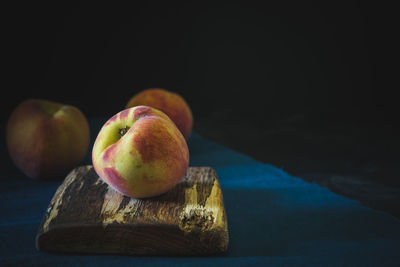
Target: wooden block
(87, 216)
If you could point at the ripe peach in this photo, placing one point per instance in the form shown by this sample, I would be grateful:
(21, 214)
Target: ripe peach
(168, 102)
(46, 139)
(140, 152)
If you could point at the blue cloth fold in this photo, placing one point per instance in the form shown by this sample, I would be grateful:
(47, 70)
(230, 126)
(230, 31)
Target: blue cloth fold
(273, 218)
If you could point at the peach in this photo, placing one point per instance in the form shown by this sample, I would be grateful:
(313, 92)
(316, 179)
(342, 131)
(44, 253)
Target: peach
(168, 102)
(46, 139)
(140, 152)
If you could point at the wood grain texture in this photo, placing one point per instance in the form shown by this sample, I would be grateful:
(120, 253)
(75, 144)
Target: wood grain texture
(87, 216)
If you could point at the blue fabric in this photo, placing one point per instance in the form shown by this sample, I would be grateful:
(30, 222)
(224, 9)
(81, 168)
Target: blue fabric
(273, 218)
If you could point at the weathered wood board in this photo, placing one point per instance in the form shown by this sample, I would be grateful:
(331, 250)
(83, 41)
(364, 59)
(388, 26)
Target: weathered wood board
(87, 216)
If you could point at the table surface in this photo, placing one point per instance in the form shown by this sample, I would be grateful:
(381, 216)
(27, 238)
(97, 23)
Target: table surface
(273, 217)
(355, 158)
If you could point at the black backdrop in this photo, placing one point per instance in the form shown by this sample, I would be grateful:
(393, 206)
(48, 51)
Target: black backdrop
(264, 61)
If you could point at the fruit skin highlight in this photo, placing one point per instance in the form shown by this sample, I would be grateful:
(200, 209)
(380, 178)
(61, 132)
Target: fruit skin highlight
(168, 102)
(140, 153)
(46, 139)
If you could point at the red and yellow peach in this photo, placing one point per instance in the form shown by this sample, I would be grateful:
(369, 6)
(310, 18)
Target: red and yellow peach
(46, 139)
(140, 152)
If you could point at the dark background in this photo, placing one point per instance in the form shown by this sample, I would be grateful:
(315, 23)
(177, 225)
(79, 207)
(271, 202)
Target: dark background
(304, 85)
(259, 60)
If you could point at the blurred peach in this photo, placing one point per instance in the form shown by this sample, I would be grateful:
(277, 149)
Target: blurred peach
(168, 102)
(46, 139)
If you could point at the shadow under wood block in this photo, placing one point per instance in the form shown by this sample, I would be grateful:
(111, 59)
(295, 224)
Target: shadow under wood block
(87, 216)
